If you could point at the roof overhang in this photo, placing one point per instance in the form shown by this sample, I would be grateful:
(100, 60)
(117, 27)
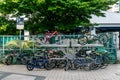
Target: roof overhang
(108, 25)
(110, 20)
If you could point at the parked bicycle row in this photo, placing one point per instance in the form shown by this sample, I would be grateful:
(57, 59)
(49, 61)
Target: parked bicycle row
(84, 59)
(88, 60)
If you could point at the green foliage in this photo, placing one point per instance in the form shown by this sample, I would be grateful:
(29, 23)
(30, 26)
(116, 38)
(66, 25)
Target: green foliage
(55, 14)
(7, 27)
(20, 44)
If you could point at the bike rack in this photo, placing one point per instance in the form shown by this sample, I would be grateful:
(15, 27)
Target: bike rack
(64, 42)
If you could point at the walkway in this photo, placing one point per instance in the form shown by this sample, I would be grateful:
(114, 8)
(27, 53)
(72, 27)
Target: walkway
(19, 72)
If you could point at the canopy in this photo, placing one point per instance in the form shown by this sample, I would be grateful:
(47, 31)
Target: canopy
(111, 21)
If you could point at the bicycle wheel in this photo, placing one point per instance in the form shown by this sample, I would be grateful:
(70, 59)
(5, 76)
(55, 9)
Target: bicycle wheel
(61, 64)
(67, 65)
(9, 60)
(105, 62)
(29, 66)
(87, 64)
(52, 64)
(75, 65)
(93, 39)
(92, 66)
(82, 40)
(87, 67)
(23, 60)
(103, 65)
(112, 58)
(103, 38)
(95, 66)
(48, 66)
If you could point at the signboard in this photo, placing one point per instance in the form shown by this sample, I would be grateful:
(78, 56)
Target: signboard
(20, 27)
(20, 23)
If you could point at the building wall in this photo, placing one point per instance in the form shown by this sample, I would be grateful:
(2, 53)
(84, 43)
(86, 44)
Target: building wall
(114, 8)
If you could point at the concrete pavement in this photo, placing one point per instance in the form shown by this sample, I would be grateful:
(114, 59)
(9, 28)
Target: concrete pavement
(19, 72)
(17, 76)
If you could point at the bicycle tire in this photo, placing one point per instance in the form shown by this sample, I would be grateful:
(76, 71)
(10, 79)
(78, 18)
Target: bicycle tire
(23, 60)
(48, 66)
(104, 38)
(103, 66)
(9, 60)
(82, 39)
(112, 58)
(87, 67)
(95, 39)
(105, 62)
(67, 65)
(61, 64)
(95, 66)
(29, 66)
(74, 66)
(52, 64)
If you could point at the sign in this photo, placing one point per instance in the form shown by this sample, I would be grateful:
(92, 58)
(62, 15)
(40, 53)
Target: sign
(20, 23)
(20, 27)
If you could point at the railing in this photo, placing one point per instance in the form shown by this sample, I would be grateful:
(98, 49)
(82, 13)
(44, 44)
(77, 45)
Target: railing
(107, 39)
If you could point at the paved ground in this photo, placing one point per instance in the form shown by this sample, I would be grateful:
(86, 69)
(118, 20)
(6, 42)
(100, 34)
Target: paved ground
(12, 75)
(19, 72)
(16, 76)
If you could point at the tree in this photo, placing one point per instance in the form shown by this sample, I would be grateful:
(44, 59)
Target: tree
(7, 27)
(55, 14)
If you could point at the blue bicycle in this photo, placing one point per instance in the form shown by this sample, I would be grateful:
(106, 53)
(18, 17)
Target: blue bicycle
(38, 62)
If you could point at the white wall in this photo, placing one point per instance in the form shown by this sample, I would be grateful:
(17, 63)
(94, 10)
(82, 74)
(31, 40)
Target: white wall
(26, 34)
(117, 40)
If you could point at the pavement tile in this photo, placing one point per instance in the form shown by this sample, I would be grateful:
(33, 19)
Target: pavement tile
(112, 72)
(18, 77)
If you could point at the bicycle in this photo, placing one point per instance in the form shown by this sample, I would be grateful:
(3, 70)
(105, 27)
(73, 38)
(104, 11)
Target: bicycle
(81, 61)
(100, 59)
(57, 59)
(38, 61)
(82, 39)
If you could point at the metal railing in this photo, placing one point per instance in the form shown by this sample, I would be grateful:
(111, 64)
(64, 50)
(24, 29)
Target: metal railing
(107, 39)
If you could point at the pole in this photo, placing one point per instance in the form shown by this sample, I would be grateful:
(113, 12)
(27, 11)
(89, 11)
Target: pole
(119, 40)
(20, 34)
(20, 41)
(119, 32)
(119, 6)
(3, 46)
